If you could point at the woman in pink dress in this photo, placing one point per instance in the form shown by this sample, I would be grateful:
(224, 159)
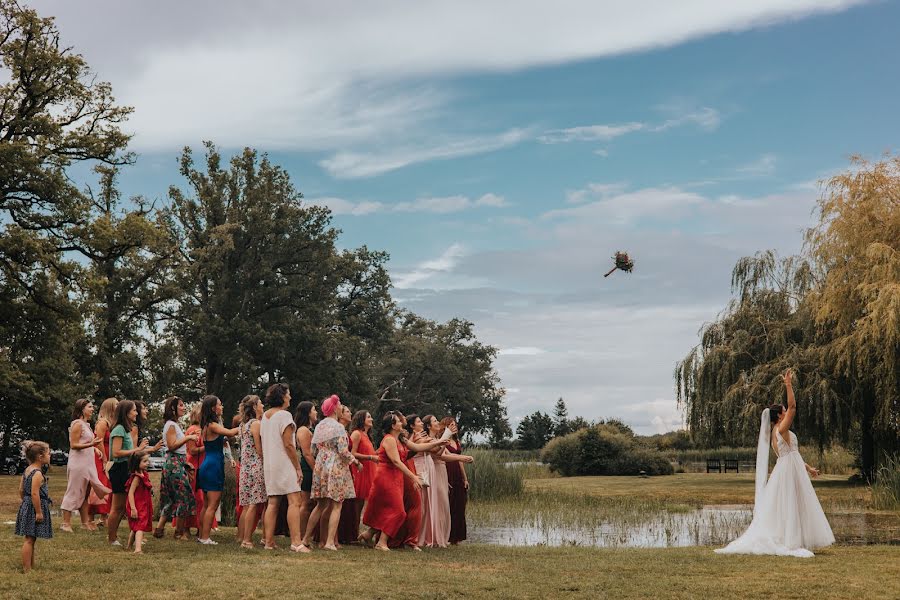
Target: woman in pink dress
(81, 470)
(436, 530)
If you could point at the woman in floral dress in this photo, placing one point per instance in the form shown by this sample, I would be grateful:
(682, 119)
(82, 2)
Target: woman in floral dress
(332, 482)
(252, 490)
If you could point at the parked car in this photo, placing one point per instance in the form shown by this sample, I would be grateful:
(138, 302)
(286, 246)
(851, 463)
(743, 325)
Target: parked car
(59, 458)
(157, 461)
(14, 465)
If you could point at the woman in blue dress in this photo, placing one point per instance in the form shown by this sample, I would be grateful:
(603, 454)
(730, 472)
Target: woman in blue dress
(211, 475)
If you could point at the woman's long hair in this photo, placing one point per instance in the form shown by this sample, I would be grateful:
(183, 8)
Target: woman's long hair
(78, 408)
(301, 416)
(122, 409)
(208, 410)
(248, 408)
(359, 420)
(108, 410)
(446, 423)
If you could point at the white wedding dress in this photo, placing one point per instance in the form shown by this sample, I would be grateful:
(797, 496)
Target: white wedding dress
(787, 517)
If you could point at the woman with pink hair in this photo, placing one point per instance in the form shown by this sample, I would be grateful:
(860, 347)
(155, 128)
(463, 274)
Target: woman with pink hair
(332, 482)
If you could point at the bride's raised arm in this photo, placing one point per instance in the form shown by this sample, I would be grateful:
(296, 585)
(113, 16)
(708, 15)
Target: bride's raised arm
(788, 419)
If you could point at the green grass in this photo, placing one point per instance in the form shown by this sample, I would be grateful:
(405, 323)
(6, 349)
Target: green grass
(81, 566)
(698, 489)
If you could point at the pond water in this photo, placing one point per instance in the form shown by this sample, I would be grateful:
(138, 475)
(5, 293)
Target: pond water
(709, 526)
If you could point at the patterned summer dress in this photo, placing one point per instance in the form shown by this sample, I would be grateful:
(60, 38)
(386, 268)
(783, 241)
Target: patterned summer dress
(331, 475)
(252, 481)
(25, 519)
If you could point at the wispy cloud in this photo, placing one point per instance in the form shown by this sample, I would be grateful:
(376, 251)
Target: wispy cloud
(308, 76)
(522, 351)
(429, 268)
(590, 133)
(763, 166)
(708, 119)
(352, 165)
(440, 205)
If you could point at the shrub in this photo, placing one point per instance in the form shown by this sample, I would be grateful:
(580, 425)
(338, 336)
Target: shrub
(604, 449)
(563, 454)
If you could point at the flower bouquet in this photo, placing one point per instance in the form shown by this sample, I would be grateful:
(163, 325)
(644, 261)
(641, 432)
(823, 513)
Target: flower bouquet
(622, 262)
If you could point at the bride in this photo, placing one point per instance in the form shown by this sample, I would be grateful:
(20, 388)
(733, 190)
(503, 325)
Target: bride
(787, 517)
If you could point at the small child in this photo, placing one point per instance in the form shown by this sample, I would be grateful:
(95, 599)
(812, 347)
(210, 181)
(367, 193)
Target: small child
(139, 508)
(33, 518)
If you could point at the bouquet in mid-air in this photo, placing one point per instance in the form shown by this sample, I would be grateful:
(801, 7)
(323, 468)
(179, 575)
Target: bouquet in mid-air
(623, 261)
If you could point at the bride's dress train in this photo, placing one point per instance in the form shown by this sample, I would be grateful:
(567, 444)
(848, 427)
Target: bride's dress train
(787, 518)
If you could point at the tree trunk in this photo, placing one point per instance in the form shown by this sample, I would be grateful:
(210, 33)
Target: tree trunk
(867, 450)
(215, 375)
(7, 433)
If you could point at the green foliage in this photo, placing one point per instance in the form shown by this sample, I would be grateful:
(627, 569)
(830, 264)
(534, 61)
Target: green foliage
(603, 449)
(886, 489)
(441, 369)
(491, 479)
(561, 424)
(534, 431)
(831, 315)
(235, 284)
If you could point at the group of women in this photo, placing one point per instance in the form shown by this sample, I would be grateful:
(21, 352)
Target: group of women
(313, 475)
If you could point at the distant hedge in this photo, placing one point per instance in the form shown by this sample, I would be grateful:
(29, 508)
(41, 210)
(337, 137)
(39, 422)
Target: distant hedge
(603, 450)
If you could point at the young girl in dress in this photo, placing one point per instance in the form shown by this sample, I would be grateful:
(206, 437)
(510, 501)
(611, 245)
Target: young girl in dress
(33, 518)
(139, 508)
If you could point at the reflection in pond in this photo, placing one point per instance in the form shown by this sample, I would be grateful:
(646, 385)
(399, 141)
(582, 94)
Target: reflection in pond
(709, 526)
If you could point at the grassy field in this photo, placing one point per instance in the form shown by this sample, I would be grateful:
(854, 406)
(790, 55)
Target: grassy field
(698, 489)
(80, 565)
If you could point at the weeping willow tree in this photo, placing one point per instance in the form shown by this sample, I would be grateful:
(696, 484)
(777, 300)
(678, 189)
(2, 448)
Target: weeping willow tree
(857, 244)
(735, 371)
(832, 315)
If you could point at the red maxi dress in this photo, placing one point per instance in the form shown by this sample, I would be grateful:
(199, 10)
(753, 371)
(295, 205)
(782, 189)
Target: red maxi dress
(96, 505)
(348, 530)
(385, 510)
(412, 503)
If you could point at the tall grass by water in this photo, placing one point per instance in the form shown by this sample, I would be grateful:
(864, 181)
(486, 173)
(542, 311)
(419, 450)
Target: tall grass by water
(490, 478)
(886, 490)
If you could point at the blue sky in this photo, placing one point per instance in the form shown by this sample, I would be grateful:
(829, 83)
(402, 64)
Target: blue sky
(502, 152)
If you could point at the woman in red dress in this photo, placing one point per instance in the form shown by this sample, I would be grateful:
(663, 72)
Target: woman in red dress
(385, 512)
(412, 498)
(362, 449)
(104, 426)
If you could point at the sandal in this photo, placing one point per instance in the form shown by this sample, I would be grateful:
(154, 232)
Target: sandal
(300, 548)
(159, 532)
(247, 545)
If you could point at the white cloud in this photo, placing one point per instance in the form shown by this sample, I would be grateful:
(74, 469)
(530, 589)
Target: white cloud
(339, 206)
(522, 351)
(612, 205)
(351, 165)
(589, 133)
(610, 344)
(707, 119)
(442, 205)
(764, 165)
(426, 270)
(335, 76)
